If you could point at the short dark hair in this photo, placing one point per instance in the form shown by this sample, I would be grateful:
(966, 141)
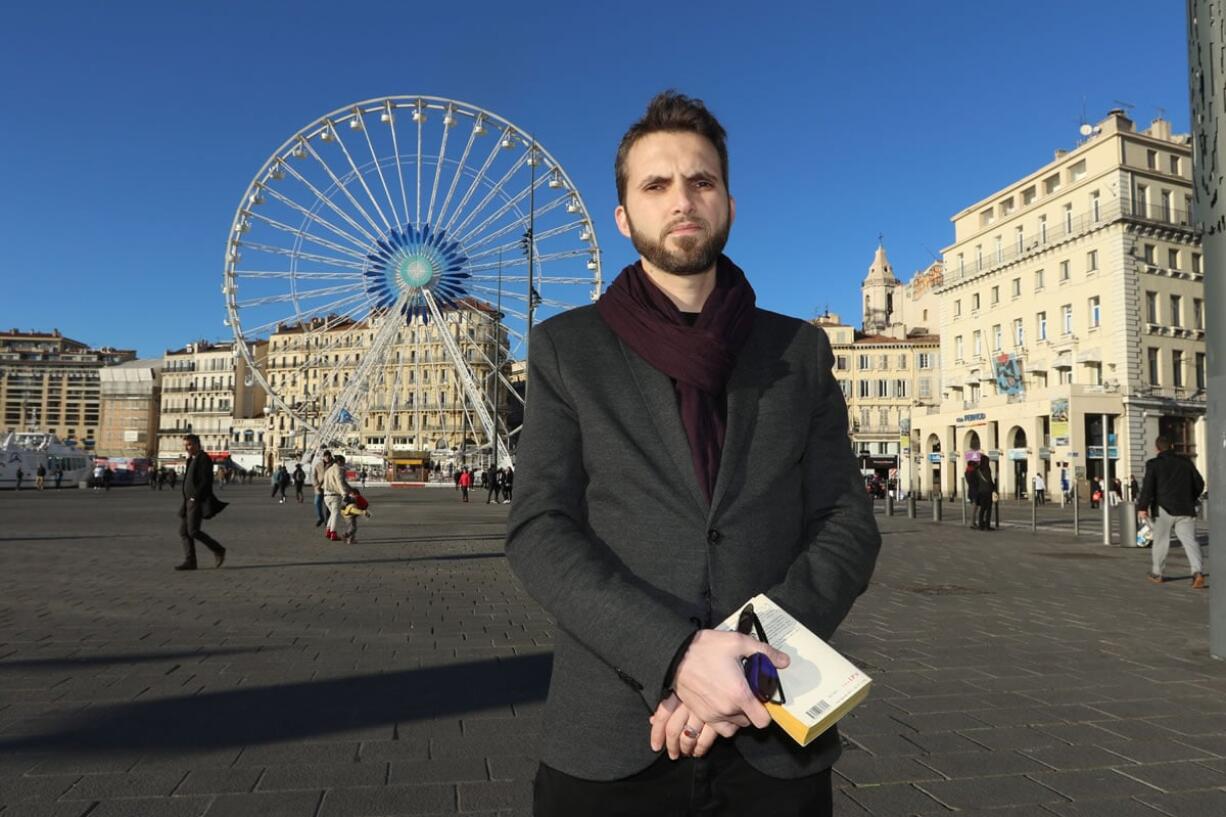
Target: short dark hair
(194, 439)
(671, 112)
(1163, 443)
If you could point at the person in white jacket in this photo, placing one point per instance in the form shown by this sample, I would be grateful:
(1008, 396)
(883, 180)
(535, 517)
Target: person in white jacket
(336, 488)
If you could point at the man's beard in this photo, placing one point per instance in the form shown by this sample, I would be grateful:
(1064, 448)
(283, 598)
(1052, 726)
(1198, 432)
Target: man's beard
(694, 254)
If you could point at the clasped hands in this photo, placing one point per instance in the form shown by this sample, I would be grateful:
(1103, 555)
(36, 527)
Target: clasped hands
(710, 697)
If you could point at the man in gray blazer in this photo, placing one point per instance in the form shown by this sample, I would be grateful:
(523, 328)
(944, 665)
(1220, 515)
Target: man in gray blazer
(682, 451)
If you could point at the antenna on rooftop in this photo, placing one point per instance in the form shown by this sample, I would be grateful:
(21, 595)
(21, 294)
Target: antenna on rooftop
(1127, 106)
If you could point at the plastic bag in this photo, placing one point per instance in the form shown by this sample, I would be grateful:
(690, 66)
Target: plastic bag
(1145, 535)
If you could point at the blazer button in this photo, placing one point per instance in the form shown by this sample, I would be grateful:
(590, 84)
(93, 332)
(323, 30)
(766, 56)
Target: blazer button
(713, 536)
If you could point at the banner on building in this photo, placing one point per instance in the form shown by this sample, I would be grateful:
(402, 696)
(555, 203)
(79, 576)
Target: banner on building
(1059, 422)
(1008, 371)
(904, 435)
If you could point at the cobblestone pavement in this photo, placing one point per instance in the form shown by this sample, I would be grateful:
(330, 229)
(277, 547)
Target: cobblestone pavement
(1015, 674)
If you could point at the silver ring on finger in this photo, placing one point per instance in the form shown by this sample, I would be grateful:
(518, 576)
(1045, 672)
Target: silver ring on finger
(691, 732)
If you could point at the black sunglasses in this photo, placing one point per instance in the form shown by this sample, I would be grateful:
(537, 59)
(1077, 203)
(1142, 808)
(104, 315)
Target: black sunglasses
(760, 673)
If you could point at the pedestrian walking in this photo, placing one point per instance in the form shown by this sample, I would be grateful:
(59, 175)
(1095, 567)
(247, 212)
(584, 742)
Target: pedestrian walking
(318, 469)
(1064, 487)
(59, 476)
(1096, 492)
(466, 482)
(508, 485)
(280, 481)
(1117, 492)
(336, 490)
(152, 474)
(199, 503)
(1133, 488)
(299, 481)
(107, 477)
(40, 477)
(363, 475)
(1040, 490)
(457, 478)
(20, 476)
(985, 493)
(174, 477)
(664, 487)
(494, 488)
(1169, 495)
(972, 490)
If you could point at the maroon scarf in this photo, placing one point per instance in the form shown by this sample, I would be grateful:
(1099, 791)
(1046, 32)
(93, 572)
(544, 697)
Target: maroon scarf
(698, 358)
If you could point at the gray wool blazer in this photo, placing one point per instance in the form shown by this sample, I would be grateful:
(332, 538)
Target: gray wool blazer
(612, 535)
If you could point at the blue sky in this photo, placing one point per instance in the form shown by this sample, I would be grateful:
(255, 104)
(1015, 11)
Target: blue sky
(132, 129)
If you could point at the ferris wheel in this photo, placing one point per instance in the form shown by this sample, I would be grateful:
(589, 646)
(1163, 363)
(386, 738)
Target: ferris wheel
(396, 217)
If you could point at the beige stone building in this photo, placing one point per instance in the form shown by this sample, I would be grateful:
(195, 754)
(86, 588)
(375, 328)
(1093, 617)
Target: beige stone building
(889, 369)
(51, 383)
(131, 395)
(205, 388)
(1073, 293)
(415, 409)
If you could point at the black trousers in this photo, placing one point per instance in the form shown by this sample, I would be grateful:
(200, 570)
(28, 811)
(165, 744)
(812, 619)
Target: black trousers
(720, 784)
(984, 515)
(190, 533)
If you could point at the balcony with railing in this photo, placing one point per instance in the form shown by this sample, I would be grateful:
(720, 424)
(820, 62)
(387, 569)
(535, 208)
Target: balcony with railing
(1121, 209)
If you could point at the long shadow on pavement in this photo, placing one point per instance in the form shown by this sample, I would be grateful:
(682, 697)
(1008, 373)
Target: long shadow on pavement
(119, 659)
(296, 711)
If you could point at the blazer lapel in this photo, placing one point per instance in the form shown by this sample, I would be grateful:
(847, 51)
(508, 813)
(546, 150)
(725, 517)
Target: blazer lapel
(744, 389)
(661, 399)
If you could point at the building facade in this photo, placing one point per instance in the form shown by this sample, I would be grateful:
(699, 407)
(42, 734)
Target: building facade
(51, 383)
(205, 388)
(131, 396)
(415, 409)
(1073, 295)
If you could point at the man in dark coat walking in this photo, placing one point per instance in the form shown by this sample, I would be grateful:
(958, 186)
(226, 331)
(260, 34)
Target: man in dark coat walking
(985, 493)
(198, 503)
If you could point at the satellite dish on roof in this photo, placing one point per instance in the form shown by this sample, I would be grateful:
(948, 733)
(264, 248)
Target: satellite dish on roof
(1086, 129)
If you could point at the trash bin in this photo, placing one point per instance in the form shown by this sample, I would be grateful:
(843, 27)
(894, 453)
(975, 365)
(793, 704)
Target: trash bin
(1127, 524)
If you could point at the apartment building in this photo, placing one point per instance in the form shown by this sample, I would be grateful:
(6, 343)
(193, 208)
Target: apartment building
(51, 383)
(1072, 317)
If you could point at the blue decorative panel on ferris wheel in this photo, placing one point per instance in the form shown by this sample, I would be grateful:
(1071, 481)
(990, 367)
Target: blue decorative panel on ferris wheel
(414, 259)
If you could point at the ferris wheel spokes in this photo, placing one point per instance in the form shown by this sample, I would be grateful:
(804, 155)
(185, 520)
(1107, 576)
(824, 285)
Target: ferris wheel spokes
(374, 159)
(361, 178)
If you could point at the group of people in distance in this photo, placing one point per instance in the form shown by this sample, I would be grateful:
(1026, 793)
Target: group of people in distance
(498, 484)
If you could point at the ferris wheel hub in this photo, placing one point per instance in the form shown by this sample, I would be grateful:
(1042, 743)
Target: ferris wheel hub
(412, 260)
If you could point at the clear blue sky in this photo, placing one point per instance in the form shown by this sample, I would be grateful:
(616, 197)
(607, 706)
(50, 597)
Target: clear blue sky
(132, 129)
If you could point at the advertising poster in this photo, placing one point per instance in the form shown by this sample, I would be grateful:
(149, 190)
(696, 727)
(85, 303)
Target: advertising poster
(1059, 422)
(1008, 372)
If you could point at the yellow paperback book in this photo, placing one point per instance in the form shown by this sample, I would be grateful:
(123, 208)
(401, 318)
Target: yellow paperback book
(819, 685)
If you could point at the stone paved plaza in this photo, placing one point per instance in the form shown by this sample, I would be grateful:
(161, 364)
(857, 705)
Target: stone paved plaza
(1016, 674)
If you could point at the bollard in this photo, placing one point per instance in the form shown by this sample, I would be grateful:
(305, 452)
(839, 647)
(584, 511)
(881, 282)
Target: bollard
(1034, 511)
(1076, 513)
(936, 508)
(964, 510)
(911, 507)
(1128, 524)
(889, 504)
